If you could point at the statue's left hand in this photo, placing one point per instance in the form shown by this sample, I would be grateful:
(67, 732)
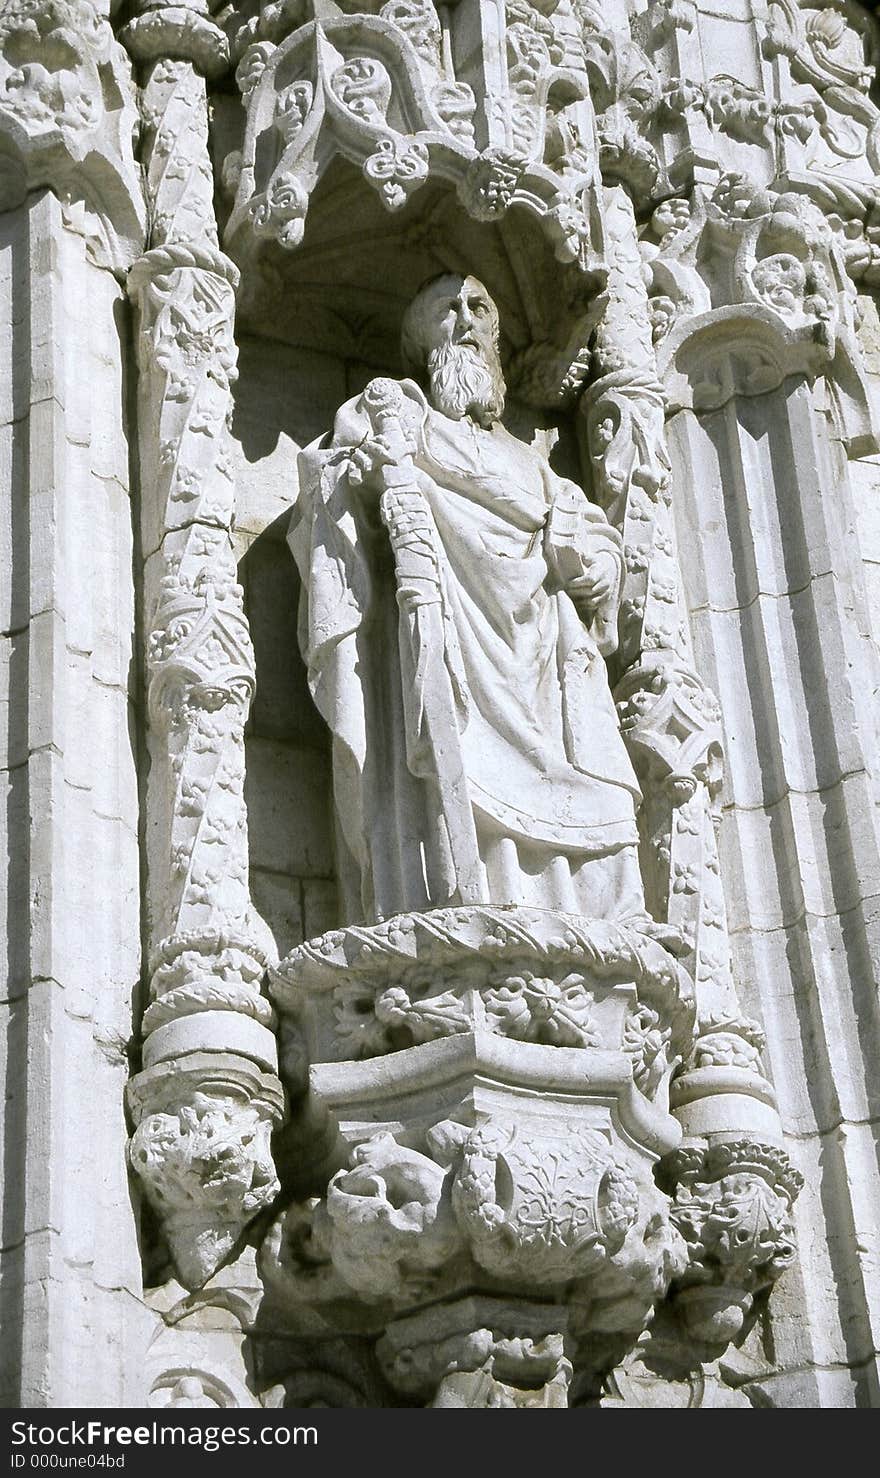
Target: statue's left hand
(595, 585)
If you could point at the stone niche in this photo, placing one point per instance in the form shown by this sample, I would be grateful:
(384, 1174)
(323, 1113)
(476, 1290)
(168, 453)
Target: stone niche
(479, 1096)
(313, 327)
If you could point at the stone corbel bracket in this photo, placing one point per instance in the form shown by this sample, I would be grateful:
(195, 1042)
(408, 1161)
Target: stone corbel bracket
(202, 1142)
(67, 118)
(510, 1148)
(732, 1205)
(359, 88)
(480, 1165)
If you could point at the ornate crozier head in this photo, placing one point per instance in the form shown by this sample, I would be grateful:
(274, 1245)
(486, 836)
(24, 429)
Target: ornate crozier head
(450, 338)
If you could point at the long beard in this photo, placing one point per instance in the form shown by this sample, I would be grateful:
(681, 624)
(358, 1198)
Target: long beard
(463, 383)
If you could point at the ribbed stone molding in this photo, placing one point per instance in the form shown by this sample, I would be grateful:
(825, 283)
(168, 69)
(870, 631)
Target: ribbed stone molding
(206, 1102)
(672, 724)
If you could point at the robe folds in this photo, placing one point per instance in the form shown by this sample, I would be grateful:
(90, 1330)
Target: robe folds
(550, 786)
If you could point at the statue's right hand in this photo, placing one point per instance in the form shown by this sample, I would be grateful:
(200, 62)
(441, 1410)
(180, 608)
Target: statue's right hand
(368, 460)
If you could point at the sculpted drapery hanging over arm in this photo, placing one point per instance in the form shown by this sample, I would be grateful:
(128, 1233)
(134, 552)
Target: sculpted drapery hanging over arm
(458, 601)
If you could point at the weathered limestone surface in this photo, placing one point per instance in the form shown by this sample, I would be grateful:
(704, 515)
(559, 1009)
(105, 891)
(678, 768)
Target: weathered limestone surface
(72, 1286)
(440, 730)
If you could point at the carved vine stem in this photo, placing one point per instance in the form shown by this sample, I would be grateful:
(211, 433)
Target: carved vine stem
(203, 1156)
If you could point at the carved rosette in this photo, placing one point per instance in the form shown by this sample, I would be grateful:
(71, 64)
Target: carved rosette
(732, 1206)
(201, 1146)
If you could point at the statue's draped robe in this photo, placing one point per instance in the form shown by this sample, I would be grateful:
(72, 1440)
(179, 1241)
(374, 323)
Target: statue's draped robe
(551, 788)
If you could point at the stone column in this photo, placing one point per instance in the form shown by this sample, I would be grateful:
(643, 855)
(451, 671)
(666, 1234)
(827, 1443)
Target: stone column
(796, 677)
(672, 725)
(207, 1099)
(763, 381)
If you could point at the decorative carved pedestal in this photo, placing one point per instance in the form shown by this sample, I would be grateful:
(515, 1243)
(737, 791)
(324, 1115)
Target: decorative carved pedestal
(510, 1149)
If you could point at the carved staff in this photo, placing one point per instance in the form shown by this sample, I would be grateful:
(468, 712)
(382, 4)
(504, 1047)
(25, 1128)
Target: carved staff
(430, 703)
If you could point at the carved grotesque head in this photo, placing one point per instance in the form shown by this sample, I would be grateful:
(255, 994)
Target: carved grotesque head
(388, 1218)
(450, 337)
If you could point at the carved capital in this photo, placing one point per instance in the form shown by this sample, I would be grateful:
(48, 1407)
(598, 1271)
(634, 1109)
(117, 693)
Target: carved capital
(732, 1205)
(752, 289)
(202, 1151)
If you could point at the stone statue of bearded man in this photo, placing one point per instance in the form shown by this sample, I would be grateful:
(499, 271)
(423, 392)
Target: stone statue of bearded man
(458, 600)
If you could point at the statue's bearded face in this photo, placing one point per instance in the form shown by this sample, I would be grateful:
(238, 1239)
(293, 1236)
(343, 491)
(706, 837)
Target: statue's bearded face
(453, 327)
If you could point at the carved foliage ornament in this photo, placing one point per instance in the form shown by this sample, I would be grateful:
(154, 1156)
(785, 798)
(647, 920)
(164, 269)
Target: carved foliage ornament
(733, 1208)
(548, 1208)
(371, 89)
(200, 659)
(207, 1167)
(531, 1205)
(552, 979)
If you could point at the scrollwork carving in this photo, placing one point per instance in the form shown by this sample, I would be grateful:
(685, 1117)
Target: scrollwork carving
(364, 87)
(420, 24)
(382, 91)
(396, 169)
